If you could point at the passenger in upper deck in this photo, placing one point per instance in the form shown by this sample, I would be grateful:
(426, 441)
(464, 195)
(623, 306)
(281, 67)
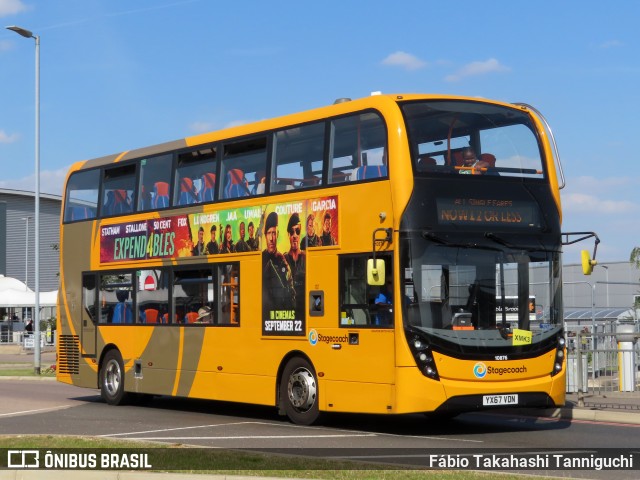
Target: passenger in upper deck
(425, 163)
(470, 163)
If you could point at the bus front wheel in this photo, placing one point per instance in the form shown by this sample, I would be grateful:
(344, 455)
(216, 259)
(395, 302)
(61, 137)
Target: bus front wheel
(299, 392)
(112, 378)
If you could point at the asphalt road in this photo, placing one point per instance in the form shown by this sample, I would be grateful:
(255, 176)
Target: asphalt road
(48, 407)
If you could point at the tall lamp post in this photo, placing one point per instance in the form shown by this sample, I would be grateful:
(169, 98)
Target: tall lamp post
(26, 252)
(36, 310)
(606, 271)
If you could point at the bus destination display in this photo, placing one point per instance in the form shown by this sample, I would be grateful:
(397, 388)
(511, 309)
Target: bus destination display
(487, 211)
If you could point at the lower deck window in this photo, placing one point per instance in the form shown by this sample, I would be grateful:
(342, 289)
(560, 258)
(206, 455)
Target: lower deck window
(206, 295)
(362, 304)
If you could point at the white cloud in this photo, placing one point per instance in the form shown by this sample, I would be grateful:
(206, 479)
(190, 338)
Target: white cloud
(201, 127)
(50, 181)
(611, 44)
(584, 203)
(11, 7)
(404, 60)
(601, 185)
(477, 68)
(238, 123)
(6, 138)
(204, 127)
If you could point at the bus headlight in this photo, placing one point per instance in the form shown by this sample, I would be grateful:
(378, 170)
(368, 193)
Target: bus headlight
(559, 360)
(423, 356)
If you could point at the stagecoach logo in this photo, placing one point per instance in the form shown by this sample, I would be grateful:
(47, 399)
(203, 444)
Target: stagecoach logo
(479, 370)
(313, 336)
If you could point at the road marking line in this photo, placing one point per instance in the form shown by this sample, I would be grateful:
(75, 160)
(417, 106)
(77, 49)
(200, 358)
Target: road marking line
(48, 409)
(251, 437)
(354, 433)
(178, 428)
(425, 437)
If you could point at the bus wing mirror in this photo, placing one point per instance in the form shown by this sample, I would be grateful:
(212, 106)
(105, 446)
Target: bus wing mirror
(587, 263)
(375, 271)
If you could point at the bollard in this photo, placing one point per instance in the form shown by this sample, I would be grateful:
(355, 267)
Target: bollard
(579, 370)
(626, 337)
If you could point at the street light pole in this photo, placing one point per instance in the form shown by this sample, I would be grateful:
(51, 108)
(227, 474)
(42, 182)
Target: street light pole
(36, 310)
(26, 253)
(606, 271)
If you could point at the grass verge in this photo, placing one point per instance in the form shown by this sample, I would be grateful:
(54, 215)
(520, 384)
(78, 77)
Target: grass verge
(25, 372)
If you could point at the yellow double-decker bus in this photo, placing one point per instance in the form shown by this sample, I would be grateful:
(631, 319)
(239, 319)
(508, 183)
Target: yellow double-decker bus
(391, 254)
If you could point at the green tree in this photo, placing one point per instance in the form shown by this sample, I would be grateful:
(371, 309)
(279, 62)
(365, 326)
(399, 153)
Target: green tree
(634, 258)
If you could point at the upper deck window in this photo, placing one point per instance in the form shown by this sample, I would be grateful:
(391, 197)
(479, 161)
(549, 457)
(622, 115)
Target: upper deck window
(298, 154)
(155, 178)
(358, 148)
(82, 196)
(495, 140)
(195, 180)
(244, 168)
(118, 190)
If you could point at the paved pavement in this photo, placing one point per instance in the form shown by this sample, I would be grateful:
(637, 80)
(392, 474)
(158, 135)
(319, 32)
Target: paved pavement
(615, 407)
(610, 407)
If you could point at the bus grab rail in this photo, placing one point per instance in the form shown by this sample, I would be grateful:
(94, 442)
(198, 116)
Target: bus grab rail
(381, 241)
(553, 141)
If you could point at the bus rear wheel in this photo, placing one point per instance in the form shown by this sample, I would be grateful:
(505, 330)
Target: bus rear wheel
(112, 378)
(299, 392)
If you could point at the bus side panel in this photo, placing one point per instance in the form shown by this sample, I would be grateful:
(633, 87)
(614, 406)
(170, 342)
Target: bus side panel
(417, 393)
(75, 366)
(253, 389)
(357, 397)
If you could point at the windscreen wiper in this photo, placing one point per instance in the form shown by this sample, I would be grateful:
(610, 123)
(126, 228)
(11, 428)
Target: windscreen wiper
(434, 238)
(497, 239)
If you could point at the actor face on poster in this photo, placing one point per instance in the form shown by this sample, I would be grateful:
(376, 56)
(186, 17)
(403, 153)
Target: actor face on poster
(278, 294)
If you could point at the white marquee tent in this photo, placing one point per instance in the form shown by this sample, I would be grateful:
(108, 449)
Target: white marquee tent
(14, 293)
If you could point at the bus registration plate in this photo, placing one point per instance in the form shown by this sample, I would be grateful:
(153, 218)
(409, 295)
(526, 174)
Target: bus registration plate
(511, 399)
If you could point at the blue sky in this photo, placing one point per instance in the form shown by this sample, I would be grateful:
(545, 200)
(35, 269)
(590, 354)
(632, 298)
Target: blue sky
(123, 74)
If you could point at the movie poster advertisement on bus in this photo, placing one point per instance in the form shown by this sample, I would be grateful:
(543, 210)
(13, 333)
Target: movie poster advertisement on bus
(281, 231)
(146, 239)
(290, 229)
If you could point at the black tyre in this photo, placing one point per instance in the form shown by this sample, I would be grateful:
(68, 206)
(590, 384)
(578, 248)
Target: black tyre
(112, 378)
(299, 392)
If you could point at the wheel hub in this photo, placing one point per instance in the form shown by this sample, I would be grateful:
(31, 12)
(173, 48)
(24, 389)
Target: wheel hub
(302, 390)
(112, 377)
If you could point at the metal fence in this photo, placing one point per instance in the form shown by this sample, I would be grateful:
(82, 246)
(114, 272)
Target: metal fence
(604, 362)
(9, 335)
